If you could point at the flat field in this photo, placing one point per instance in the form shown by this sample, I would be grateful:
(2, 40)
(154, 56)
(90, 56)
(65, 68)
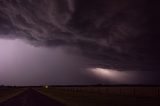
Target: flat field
(6, 93)
(104, 96)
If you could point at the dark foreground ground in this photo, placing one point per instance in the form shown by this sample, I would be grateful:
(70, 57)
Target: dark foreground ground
(31, 97)
(105, 96)
(81, 96)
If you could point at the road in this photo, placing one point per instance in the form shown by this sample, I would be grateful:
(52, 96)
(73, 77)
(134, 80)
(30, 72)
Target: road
(31, 97)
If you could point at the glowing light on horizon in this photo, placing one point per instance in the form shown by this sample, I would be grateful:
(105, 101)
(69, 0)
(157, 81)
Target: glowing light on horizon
(105, 73)
(111, 75)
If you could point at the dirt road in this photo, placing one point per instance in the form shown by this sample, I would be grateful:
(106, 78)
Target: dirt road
(31, 98)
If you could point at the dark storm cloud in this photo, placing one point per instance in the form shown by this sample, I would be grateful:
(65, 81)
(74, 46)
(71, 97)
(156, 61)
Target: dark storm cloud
(120, 34)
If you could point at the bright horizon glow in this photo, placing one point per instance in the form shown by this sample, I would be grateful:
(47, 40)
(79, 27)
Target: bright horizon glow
(112, 75)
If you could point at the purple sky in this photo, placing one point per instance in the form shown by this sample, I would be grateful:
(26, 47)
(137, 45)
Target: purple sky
(66, 41)
(24, 64)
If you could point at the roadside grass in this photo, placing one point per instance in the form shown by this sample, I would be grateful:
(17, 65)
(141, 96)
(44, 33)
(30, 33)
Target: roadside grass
(92, 97)
(6, 93)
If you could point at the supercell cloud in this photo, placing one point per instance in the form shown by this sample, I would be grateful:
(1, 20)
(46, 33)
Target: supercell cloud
(113, 34)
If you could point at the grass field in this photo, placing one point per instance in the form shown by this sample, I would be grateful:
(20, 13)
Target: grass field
(104, 96)
(6, 93)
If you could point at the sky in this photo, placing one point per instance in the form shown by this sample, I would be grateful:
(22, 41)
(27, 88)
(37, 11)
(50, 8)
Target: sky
(72, 42)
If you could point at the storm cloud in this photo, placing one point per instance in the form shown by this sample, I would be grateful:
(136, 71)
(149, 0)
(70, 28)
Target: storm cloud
(114, 34)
